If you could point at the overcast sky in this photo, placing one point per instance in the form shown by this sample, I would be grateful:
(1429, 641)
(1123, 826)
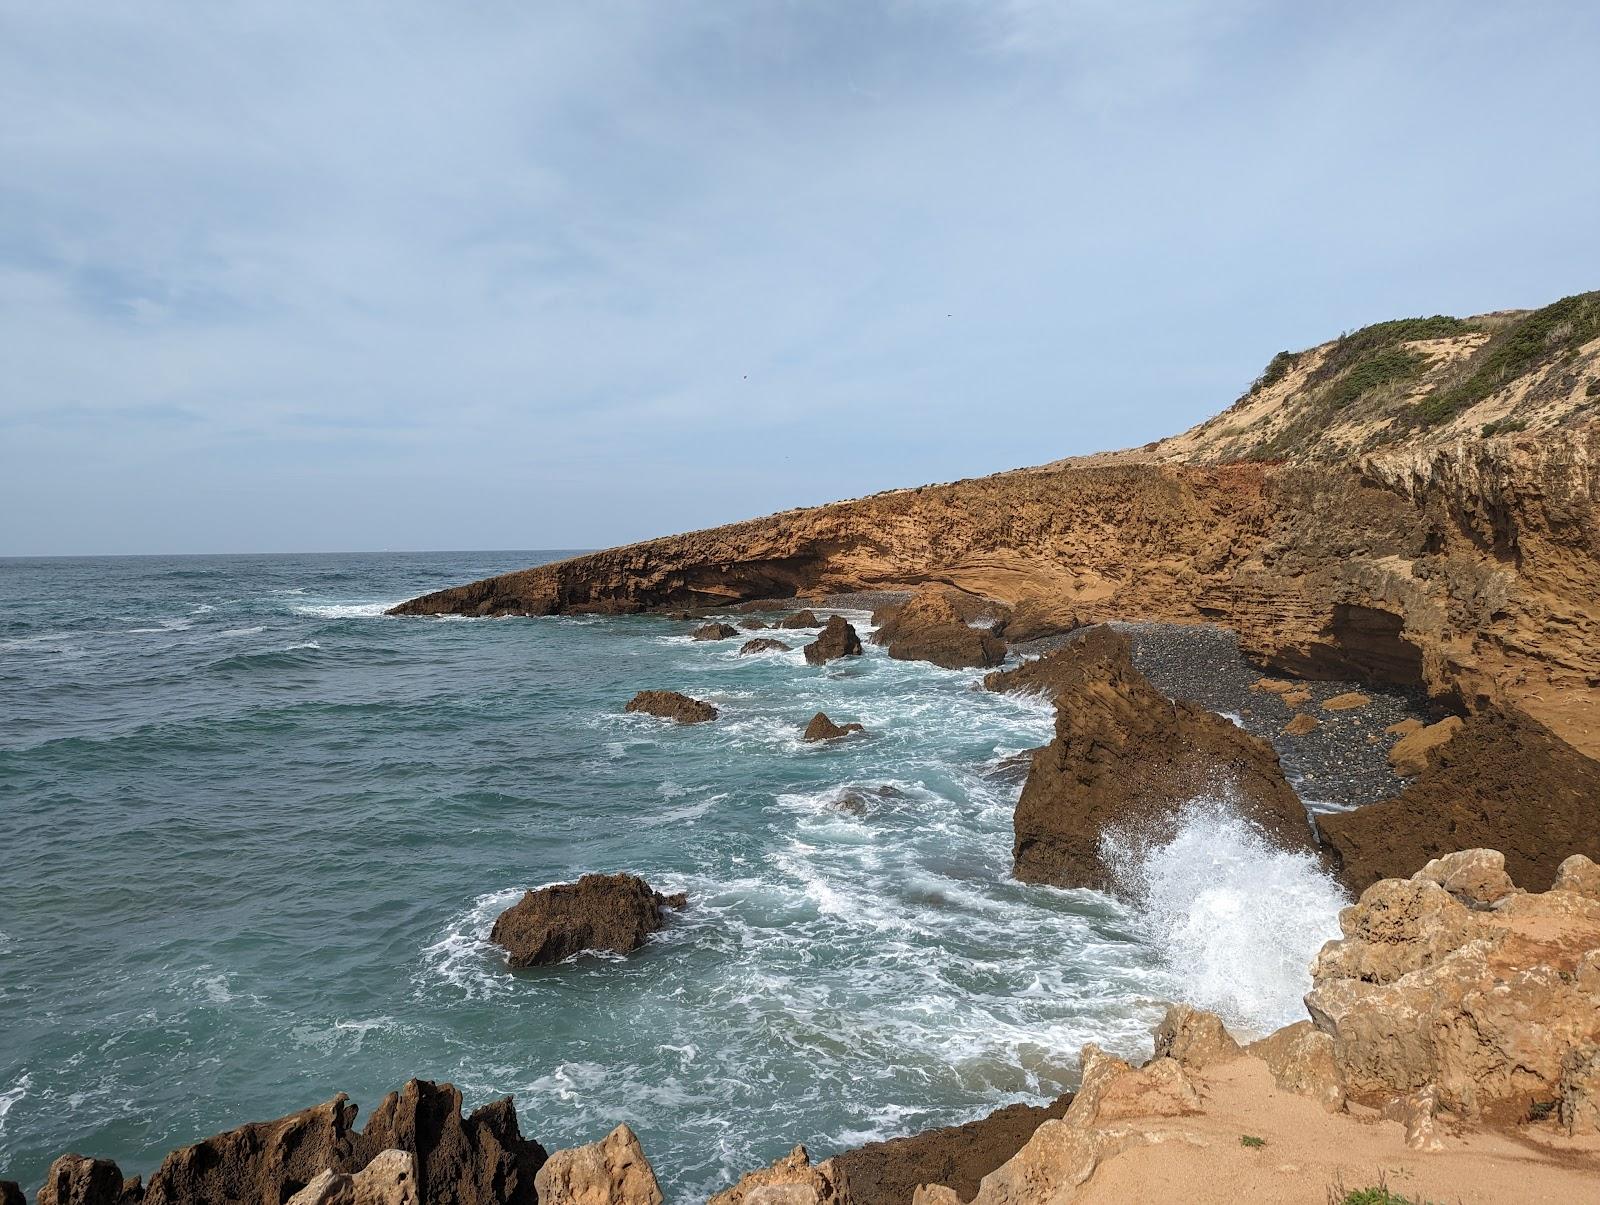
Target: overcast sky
(496, 274)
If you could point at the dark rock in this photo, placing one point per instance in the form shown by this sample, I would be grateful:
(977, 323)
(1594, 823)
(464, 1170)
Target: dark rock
(764, 604)
(482, 1160)
(838, 639)
(613, 912)
(1124, 755)
(762, 644)
(851, 803)
(821, 728)
(1504, 781)
(682, 615)
(929, 627)
(888, 1173)
(1038, 619)
(803, 619)
(670, 705)
(75, 1180)
(11, 1193)
(715, 631)
(755, 625)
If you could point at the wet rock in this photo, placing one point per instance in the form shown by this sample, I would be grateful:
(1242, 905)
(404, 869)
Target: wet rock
(714, 631)
(1504, 782)
(1476, 877)
(838, 639)
(792, 1180)
(1349, 701)
(801, 619)
(755, 625)
(1035, 618)
(75, 1180)
(613, 912)
(1300, 1057)
(1409, 757)
(762, 644)
(613, 1171)
(670, 705)
(1124, 755)
(821, 728)
(929, 627)
(1194, 1038)
(389, 1179)
(1579, 875)
(1301, 725)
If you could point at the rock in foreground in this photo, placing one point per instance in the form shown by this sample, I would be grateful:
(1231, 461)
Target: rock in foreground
(821, 728)
(614, 912)
(670, 705)
(930, 627)
(838, 639)
(1125, 756)
(792, 1180)
(613, 1171)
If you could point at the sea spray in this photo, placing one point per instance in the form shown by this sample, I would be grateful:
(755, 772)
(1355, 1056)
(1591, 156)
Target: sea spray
(1236, 920)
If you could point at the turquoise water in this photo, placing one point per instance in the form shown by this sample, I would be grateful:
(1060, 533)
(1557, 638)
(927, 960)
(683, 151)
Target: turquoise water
(256, 832)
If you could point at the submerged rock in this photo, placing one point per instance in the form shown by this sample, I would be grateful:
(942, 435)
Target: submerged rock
(670, 705)
(613, 1171)
(614, 912)
(838, 639)
(821, 728)
(762, 644)
(929, 627)
(714, 631)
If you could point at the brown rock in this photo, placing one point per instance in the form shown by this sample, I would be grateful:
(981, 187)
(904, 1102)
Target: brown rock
(75, 1180)
(889, 1173)
(1405, 727)
(613, 1171)
(1296, 698)
(1476, 877)
(1194, 1038)
(670, 705)
(1409, 757)
(929, 627)
(714, 631)
(1300, 1057)
(1580, 1090)
(838, 639)
(1301, 724)
(821, 728)
(1349, 701)
(792, 1180)
(755, 625)
(389, 1179)
(1274, 686)
(1124, 754)
(1580, 875)
(1035, 618)
(762, 644)
(613, 912)
(1503, 782)
(11, 1193)
(801, 619)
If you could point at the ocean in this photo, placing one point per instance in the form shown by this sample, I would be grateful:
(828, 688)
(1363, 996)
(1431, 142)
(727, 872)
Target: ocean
(253, 834)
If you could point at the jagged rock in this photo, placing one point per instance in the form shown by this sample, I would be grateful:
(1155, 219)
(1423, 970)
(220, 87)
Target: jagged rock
(613, 912)
(1126, 755)
(1409, 757)
(76, 1180)
(1035, 618)
(821, 728)
(714, 631)
(1476, 877)
(670, 705)
(801, 619)
(762, 644)
(1301, 724)
(792, 1180)
(1194, 1038)
(1300, 1057)
(613, 1171)
(1112, 1089)
(838, 639)
(1504, 782)
(929, 627)
(1484, 1007)
(1349, 701)
(1578, 874)
(389, 1179)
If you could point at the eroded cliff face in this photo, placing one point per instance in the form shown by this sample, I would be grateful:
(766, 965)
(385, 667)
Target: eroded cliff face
(1469, 568)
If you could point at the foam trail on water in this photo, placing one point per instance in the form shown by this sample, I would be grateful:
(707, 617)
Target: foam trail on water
(1236, 920)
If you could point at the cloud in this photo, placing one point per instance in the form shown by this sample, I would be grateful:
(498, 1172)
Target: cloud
(509, 274)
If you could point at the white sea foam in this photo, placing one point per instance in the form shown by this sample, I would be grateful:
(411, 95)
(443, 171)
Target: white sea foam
(304, 644)
(1236, 920)
(12, 1095)
(366, 610)
(461, 957)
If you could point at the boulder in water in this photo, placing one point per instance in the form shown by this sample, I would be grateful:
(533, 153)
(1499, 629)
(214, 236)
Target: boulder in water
(801, 619)
(762, 644)
(715, 631)
(929, 627)
(670, 705)
(614, 912)
(821, 728)
(838, 639)
(755, 625)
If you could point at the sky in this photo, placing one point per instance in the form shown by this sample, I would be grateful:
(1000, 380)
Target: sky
(384, 274)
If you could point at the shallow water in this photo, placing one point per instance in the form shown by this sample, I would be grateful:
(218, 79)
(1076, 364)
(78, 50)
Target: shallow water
(256, 832)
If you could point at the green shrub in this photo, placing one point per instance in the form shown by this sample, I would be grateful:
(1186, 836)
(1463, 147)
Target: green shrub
(1251, 1140)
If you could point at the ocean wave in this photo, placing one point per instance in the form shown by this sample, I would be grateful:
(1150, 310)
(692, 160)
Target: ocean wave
(12, 1096)
(346, 610)
(463, 958)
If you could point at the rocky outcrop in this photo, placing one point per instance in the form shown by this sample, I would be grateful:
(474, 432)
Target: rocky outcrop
(1193, 1038)
(417, 1148)
(889, 1173)
(800, 619)
(612, 1171)
(1502, 781)
(930, 627)
(1455, 988)
(614, 912)
(762, 644)
(714, 631)
(1034, 618)
(1127, 757)
(838, 639)
(792, 1180)
(821, 728)
(670, 705)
